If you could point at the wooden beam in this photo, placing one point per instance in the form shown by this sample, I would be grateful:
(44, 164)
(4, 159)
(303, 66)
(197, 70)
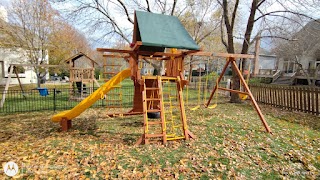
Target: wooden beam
(115, 50)
(35, 65)
(218, 81)
(149, 53)
(115, 56)
(136, 45)
(255, 104)
(233, 91)
(226, 55)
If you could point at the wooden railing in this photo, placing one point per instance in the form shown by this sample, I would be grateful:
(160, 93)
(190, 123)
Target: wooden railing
(77, 74)
(297, 98)
(276, 75)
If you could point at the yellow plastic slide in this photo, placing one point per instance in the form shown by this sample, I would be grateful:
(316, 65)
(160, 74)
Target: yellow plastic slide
(87, 102)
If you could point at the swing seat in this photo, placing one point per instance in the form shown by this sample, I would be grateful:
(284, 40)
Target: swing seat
(243, 96)
(213, 106)
(195, 108)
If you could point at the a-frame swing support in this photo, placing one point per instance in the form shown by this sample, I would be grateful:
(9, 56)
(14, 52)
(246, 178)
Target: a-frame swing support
(11, 69)
(246, 88)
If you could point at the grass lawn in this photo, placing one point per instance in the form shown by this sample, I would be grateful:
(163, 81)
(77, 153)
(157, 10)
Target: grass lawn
(231, 143)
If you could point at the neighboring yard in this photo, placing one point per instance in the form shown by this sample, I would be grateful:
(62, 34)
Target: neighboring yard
(231, 143)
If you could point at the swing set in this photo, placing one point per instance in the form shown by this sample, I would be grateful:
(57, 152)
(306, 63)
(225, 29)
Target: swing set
(231, 61)
(13, 69)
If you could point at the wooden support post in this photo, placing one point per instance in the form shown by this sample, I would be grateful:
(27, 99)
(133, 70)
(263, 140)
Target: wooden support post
(7, 87)
(219, 79)
(187, 133)
(256, 57)
(65, 124)
(255, 104)
(20, 84)
(162, 112)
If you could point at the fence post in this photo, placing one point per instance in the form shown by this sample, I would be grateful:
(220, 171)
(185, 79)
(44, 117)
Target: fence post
(54, 100)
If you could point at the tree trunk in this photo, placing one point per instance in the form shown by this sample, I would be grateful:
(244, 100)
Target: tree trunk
(38, 81)
(235, 85)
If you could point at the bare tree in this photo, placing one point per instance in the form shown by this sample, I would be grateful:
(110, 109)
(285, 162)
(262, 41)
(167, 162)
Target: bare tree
(260, 18)
(30, 23)
(114, 18)
(110, 18)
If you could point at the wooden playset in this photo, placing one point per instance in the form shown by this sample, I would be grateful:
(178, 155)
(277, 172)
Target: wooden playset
(81, 80)
(163, 93)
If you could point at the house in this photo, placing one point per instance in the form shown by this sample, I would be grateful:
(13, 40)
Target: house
(300, 59)
(15, 55)
(265, 65)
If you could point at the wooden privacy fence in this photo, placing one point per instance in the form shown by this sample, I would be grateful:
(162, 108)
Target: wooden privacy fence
(297, 98)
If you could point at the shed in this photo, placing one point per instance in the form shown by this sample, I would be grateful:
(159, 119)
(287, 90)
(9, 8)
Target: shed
(81, 68)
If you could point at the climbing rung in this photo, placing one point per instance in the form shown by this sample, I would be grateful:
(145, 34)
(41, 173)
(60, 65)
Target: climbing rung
(152, 88)
(175, 138)
(153, 99)
(153, 110)
(153, 135)
(154, 122)
(171, 135)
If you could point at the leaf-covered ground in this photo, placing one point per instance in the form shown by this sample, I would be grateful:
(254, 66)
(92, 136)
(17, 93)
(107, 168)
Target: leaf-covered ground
(231, 143)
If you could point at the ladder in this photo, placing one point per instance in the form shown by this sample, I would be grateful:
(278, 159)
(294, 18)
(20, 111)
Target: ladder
(159, 99)
(173, 120)
(152, 103)
(111, 67)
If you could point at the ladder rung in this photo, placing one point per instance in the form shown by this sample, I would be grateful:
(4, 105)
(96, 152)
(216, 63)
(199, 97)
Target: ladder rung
(152, 89)
(154, 135)
(153, 99)
(154, 122)
(175, 138)
(153, 110)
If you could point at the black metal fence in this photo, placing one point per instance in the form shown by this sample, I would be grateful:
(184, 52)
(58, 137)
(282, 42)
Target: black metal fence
(58, 99)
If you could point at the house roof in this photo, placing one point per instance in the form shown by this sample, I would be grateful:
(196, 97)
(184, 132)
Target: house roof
(309, 36)
(158, 31)
(77, 56)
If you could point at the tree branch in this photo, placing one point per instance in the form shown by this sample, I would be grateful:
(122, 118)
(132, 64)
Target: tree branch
(286, 11)
(222, 35)
(126, 11)
(148, 6)
(173, 7)
(234, 13)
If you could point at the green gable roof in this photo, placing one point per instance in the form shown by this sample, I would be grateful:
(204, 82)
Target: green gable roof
(158, 31)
